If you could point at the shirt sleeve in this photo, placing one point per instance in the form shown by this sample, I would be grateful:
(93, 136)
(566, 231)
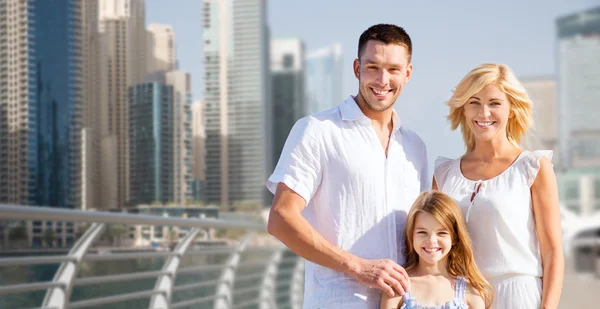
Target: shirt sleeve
(424, 173)
(299, 166)
(532, 164)
(442, 166)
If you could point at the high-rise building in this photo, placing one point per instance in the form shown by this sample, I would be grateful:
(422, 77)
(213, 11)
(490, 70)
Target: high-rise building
(324, 79)
(132, 37)
(543, 135)
(162, 55)
(94, 106)
(238, 108)
(199, 150)
(151, 143)
(122, 26)
(579, 88)
(182, 130)
(59, 103)
(182, 147)
(40, 102)
(288, 78)
(18, 119)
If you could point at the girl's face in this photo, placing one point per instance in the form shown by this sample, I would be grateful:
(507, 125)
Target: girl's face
(431, 240)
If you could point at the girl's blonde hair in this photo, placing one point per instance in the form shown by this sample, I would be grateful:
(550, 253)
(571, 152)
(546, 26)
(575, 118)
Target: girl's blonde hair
(501, 76)
(460, 261)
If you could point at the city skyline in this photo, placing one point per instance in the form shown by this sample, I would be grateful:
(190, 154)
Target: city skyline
(238, 102)
(324, 75)
(451, 40)
(288, 89)
(136, 136)
(530, 48)
(128, 44)
(578, 53)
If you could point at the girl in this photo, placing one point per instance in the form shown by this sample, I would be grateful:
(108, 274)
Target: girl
(509, 197)
(439, 260)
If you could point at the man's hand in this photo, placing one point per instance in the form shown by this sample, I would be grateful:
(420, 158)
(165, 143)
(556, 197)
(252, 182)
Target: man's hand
(386, 275)
(288, 225)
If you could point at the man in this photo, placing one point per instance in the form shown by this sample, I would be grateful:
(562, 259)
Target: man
(346, 179)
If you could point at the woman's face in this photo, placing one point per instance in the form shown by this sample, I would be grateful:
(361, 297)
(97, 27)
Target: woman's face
(487, 113)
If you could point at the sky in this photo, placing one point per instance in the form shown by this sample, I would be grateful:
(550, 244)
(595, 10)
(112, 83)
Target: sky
(449, 39)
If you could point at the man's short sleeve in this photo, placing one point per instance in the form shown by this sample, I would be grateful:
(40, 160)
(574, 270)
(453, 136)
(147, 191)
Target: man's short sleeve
(299, 166)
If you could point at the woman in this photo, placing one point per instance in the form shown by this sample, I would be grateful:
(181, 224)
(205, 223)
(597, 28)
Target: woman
(509, 196)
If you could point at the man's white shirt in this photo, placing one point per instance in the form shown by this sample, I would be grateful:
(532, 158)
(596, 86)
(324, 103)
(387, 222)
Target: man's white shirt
(357, 198)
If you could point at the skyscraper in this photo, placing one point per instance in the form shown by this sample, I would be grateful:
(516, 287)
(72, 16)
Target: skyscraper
(199, 150)
(238, 108)
(93, 110)
(543, 135)
(181, 104)
(122, 25)
(151, 143)
(18, 143)
(579, 88)
(324, 79)
(40, 102)
(133, 36)
(288, 78)
(182, 134)
(162, 54)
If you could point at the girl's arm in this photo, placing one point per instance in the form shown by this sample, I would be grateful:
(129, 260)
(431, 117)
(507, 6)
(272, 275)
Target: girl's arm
(544, 195)
(388, 302)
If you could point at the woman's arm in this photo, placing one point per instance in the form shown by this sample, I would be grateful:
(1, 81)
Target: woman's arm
(388, 302)
(473, 299)
(544, 195)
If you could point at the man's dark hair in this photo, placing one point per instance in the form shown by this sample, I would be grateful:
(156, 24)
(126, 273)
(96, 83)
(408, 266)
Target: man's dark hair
(388, 34)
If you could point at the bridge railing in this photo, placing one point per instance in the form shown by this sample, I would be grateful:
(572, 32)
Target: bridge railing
(245, 273)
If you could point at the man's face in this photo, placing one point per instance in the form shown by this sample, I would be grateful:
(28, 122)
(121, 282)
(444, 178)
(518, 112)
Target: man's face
(382, 71)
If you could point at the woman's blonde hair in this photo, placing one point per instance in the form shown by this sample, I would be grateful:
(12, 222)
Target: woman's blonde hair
(460, 261)
(501, 76)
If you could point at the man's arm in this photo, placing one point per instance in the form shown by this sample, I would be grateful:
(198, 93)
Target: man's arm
(288, 225)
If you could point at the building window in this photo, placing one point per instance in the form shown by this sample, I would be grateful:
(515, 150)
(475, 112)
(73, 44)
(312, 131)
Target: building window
(288, 61)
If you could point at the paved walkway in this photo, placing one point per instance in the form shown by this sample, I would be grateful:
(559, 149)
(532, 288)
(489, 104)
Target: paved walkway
(580, 290)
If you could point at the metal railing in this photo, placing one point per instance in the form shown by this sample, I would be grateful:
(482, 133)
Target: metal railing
(237, 275)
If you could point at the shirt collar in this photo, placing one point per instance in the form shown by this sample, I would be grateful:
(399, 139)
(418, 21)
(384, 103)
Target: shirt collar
(351, 112)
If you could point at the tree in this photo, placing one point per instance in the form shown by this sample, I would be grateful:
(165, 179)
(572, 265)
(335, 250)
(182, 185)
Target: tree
(117, 231)
(15, 234)
(81, 229)
(173, 236)
(19, 232)
(246, 206)
(231, 234)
